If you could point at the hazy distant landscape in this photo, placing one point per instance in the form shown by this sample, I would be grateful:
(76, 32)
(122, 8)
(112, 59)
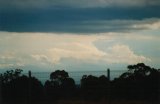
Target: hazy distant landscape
(77, 75)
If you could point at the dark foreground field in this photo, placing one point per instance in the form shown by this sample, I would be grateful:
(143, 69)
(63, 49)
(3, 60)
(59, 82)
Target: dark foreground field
(94, 102)
(106, 102)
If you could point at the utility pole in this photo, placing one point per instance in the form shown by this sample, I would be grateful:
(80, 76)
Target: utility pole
(0, 89)
(108, 74)
(29, 87)
(29, 74)
(109, 88)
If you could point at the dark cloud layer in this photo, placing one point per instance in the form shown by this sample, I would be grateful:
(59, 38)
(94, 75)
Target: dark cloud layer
(59, 18)
(77, 3)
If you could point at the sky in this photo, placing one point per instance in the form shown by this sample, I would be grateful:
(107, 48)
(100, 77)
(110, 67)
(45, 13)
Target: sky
(78, 35)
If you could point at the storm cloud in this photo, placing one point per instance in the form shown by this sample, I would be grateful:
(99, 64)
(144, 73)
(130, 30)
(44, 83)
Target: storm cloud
(74, 16)
(37, 34)
(78, 3)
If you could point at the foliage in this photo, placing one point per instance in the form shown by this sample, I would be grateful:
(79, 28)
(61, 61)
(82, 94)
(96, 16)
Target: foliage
(11, 75)
(94, 88)
(17, 87)
(58, 74)
(59, 86)
(140, 82)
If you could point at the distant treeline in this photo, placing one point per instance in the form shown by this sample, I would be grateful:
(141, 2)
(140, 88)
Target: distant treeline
(140, 82)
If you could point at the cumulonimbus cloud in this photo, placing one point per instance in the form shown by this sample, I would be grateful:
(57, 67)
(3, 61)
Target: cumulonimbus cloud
(51, 48)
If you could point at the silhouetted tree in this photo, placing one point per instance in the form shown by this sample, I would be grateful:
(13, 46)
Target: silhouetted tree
(139, 82)
(60, 85)
(94, 88)
(20, 88)
(10, 75)
(58, 74)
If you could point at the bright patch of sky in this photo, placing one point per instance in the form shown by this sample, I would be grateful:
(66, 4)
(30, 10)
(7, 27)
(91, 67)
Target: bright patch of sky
(54, 49)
